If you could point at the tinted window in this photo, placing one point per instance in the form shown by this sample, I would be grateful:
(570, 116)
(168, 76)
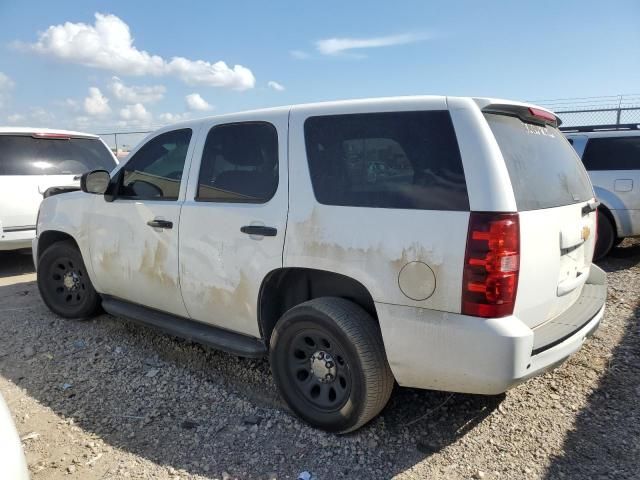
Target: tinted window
(26, 155)
(239, 163)
(155, 171)
(612, 153)
(544, 169)
(388, 160)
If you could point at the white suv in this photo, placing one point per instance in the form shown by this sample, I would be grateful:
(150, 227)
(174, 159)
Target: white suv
(465, 267)
(612, 158)
(32, 160)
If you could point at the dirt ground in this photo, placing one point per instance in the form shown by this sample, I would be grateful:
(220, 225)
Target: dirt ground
(106, 399)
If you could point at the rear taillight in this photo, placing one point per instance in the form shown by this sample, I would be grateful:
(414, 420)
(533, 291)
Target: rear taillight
(491, 265)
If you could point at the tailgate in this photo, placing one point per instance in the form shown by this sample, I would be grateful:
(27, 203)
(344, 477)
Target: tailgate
(556, 248)
(556, 206)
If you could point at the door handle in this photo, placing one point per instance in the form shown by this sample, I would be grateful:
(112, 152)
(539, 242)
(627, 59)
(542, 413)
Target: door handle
(259, 230)
(160, 223)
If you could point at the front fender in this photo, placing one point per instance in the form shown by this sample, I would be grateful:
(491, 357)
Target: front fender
(67, 214)
(618, 210)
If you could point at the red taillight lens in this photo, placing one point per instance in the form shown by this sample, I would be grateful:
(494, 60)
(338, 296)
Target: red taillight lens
(491, 265)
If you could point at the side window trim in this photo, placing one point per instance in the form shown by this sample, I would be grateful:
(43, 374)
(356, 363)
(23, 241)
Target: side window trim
(197, 175)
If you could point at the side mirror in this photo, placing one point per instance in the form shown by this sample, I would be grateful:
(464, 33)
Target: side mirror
(96, 182)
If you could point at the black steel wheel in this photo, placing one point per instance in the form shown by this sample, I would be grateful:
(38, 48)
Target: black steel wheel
(329, 364)
(64, 284)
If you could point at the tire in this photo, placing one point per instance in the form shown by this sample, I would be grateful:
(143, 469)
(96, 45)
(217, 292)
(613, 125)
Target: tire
(606, 237)
(64, 283)
(329, 364)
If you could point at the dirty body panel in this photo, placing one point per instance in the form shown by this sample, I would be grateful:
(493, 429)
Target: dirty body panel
(385, 249)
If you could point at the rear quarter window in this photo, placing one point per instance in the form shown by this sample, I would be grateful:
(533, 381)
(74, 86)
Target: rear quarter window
(544, 168)
(404, 160)
(612, 153)
(26, 155)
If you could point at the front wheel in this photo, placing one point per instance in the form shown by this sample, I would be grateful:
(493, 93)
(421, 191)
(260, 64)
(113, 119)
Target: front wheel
(329, 364)
(64, 284)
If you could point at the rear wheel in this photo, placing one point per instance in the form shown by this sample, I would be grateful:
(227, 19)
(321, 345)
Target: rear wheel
(64, 284)
(606, 236)
(329, 364)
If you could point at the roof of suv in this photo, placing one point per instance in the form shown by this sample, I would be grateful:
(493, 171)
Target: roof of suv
(44, 131)
(480, 101)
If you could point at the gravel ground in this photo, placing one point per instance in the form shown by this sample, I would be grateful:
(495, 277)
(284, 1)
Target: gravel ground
(106, 399)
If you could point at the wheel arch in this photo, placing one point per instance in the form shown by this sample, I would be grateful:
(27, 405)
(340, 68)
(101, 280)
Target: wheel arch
(284, 288)
(49, 237)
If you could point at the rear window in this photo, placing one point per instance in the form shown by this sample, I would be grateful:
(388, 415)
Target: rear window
(406, 160)
(26, 155)
(544, 169)
(612, 153)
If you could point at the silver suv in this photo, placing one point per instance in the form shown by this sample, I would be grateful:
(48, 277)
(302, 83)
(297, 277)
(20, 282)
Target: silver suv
(612, 158)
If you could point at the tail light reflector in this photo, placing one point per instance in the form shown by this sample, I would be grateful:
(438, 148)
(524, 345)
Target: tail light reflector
(491, 265)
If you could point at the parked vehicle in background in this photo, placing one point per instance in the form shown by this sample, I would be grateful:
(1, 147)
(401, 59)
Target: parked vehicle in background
(463, 264)
(611, 155)
(12, 462)
(33, 160)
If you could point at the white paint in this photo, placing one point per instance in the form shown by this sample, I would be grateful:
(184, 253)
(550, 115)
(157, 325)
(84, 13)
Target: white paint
(206, 269)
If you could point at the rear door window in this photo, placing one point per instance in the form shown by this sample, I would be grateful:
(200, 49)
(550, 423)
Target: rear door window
(239, 163)
(405, 160)
(27, 155)
(545, 170)
(612, 153)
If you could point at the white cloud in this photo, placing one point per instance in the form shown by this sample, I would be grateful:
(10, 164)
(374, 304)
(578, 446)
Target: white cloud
(299, 54)
(276, 86)
(337, 46)
(216, 74)
(135, 114)
(166, 118)
(196, 103)
(35, 117)
(16, 119)
(136, 94)
(108, 44)
(6, 85)
(96, 103)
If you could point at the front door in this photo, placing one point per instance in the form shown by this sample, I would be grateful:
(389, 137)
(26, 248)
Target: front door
(134, 239)
(233, 220)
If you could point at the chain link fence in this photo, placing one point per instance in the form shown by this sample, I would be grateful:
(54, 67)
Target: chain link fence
(574, 112)
(595, 111)
(121, 143)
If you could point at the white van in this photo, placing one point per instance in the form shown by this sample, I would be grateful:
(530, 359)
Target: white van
(463, 264)
(33, 160)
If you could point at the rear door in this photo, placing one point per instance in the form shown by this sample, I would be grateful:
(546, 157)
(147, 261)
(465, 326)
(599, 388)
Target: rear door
(556, 205)
(233, 222)
(29, 164)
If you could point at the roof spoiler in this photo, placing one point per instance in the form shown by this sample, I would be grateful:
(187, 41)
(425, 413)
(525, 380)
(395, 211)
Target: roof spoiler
(534, 115)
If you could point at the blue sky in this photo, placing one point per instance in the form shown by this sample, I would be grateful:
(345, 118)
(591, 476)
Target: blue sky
(61, 66)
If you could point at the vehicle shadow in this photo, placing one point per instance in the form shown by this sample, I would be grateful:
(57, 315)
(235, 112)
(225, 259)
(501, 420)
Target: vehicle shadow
(622, 257)
(15, 263)
(605, 441)
(189, 410)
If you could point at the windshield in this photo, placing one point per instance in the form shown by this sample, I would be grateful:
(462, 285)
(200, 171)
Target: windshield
(26, 155)
(544, 169)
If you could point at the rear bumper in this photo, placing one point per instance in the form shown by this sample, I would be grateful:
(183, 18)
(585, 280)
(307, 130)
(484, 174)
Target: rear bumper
(459, 353)
(16, 240)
